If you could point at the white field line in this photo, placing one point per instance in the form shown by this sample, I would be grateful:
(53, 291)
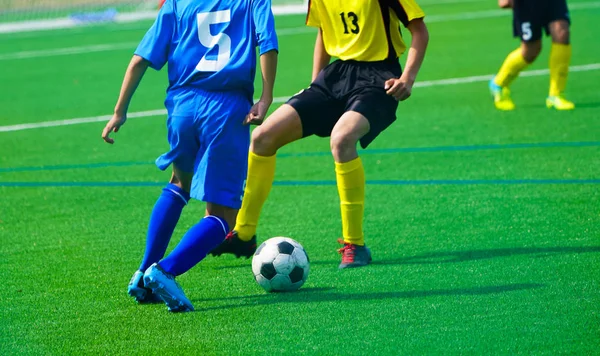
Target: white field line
(474, 15)
(483, 78)
(162, 112)
(111, 47)
(69, 50)
(67, 22)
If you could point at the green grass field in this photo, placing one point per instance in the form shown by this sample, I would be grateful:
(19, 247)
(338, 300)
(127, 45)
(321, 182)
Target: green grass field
(484, 226)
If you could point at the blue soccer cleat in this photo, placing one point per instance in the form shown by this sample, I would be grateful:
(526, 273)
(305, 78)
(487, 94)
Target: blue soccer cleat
(140, 293)
(164, 285)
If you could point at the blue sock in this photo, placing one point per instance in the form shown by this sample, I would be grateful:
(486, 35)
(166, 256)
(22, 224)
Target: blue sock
(195, 245)
(163, 220)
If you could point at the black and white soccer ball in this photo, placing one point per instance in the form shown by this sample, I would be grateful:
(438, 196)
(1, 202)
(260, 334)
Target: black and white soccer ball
(280, 264)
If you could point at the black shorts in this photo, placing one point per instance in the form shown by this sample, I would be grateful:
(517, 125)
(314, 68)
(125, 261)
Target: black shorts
(531, 16)
(348, 86)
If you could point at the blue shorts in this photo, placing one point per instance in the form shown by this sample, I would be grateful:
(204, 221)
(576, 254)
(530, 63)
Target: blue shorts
(207, 138)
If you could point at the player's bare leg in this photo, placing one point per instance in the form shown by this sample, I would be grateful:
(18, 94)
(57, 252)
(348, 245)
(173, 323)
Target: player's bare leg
(560, 58)
(282, 127)
(181, 178)
(531, 50)
(350, 178)
(229, 214)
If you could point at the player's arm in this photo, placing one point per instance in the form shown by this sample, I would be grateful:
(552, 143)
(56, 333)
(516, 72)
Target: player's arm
(135, 71)
(268, 47)
(320, 56)
(268, 68)
(505, 4)
(401, 88)
(153, 51)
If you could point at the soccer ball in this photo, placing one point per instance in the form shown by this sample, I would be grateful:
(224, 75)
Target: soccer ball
(280, 264)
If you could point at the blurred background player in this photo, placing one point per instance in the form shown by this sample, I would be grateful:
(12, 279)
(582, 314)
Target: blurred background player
(529, 18)
(210, 48)
(351, 100)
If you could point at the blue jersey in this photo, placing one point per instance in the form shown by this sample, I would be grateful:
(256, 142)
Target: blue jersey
(210, 44)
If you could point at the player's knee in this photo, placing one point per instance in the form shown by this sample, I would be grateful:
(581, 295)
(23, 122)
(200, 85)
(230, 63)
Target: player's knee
(560, 31)
(343, 146)
(562, 35)
(263, 143)
(182, 181)
(531, 51)
(223, 212)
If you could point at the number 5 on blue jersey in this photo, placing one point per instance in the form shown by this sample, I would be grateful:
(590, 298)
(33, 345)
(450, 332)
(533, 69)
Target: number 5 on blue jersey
(215, 49)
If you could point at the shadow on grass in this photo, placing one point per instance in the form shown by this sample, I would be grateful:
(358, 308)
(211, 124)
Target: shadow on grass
(459, 256)
(541, 106)
(249, 264)
(317, 295)
(473, 255)
(587, 105)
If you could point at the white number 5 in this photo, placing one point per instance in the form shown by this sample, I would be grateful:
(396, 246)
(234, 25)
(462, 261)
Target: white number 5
(526, 33)
(221, 40)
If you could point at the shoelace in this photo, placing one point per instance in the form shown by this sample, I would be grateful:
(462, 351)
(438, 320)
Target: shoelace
(229, 237)
(347, 252)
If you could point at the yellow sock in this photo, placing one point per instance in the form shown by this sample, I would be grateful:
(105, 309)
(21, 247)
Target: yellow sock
(560, 57)
(512, 66)
(261, 172)
(351, 187)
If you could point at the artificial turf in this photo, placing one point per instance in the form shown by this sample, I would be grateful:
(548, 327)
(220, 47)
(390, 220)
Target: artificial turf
(484, 225)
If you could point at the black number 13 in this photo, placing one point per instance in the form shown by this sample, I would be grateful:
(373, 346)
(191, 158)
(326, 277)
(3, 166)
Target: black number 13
(354, 20)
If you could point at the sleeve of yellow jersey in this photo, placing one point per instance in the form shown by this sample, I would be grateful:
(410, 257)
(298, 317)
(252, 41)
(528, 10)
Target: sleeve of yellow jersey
(412, 9)
(312, 17)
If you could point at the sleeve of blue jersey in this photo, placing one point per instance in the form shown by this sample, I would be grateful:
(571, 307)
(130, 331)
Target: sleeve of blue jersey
(264, 23)
(154, 47)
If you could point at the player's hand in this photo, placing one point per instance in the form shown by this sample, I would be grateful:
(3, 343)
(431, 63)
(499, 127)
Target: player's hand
(113, 125)
(505, 4)
(399, 88)
(257, 113)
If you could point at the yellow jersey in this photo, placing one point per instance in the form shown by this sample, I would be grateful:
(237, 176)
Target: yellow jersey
(362, 30)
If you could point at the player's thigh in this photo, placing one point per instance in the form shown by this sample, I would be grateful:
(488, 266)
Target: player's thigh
(280, 128)
(222, 159)
(378, 108)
